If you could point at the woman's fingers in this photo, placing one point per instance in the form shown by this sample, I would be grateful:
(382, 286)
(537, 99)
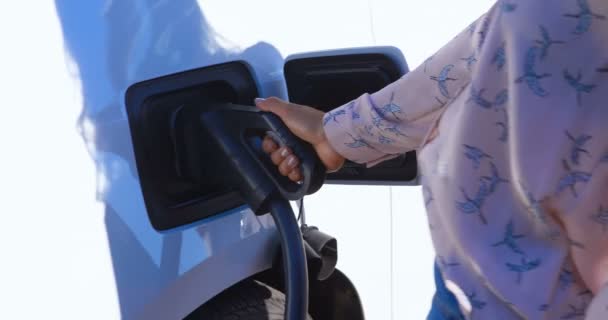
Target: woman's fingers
(304, 122)
(279, 155)
(283, 158)
(295, 175)
(288, 164)
(274, 105)
(307, 124)
(269, 145)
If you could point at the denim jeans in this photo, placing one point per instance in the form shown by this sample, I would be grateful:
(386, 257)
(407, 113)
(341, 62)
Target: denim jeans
(445, 305)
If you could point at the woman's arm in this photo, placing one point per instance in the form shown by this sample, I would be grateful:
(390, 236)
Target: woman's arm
(396, 119)
(376, 127)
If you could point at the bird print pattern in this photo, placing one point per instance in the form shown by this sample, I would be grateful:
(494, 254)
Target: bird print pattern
(500, 57)
(584, 17)
(443, 78)
(523, 267)
(577, 85)
(333, 116)
(394, 129)
(475, 154)
(575, 312)
(504, 127)
(520, 79)
(391, 108)
(357, 143)
(369, 130)
(572, 178)
(474, 205)
(601, 218)
(470, 60)
(446, 263)
(578, 146)
(566, 279)
(476, 302)
(385, 140)
(510, 239)
(476, 96)
(494, 179)
(483, 31)
(506, 6)
(353, 113)
(504, 131)
(546, 42)
(530, 76)
(377, 117)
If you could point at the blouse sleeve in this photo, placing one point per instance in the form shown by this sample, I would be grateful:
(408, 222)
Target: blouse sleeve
(376, 127)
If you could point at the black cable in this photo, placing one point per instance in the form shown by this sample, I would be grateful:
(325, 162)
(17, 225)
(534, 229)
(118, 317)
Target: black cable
(300, 210)
(294, 260)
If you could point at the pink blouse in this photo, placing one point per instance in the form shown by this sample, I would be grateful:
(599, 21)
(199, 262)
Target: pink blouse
(510, 123)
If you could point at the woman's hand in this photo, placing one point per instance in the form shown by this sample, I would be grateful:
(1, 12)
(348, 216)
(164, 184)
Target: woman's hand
(306, 123)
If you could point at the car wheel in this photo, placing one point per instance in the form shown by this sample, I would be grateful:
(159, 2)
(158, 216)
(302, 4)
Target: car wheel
(250, 300)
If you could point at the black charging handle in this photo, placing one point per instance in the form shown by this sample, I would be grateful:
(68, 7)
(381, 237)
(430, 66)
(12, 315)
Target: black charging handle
(238, 130)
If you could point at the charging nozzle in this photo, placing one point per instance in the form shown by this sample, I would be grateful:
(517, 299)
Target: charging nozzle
(229, 137)
(222, 144)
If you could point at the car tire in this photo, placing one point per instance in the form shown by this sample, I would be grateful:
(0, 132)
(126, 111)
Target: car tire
(248, 300)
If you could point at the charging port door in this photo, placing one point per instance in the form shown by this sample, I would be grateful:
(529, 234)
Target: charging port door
(328, 79)
(172, 195)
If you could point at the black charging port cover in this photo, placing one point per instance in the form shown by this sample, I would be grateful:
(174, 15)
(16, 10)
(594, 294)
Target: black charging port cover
(172, 197)
(327, 82)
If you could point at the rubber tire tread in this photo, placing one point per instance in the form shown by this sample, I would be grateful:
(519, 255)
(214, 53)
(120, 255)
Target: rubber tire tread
(250, 300)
